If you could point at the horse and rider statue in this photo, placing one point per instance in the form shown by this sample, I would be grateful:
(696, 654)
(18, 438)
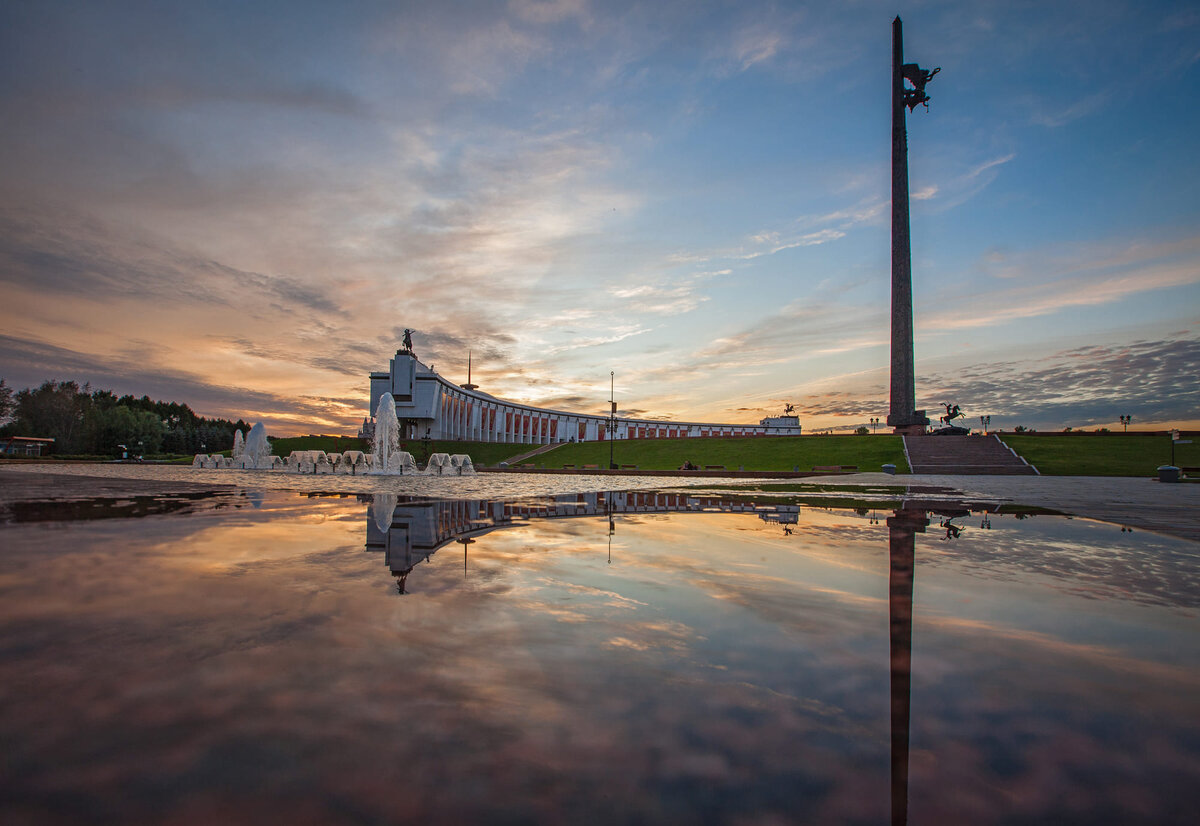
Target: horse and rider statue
(952, 412)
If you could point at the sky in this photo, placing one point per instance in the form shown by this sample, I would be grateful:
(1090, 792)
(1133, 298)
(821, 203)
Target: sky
(241, 206)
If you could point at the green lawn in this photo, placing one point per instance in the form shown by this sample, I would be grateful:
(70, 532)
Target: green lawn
(329, 444)
(777, 453)
(481, 453)
(1100, 454)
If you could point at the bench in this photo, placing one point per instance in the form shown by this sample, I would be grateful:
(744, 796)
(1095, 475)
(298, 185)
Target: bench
(591, 467)
(714, 467)
(527, 464)
(568, 467)
(628, 467)
(835, 468)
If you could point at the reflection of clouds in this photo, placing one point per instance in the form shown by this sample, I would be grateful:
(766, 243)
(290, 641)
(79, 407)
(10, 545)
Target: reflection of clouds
(550, 684)
(1088, 560)
(645, 636)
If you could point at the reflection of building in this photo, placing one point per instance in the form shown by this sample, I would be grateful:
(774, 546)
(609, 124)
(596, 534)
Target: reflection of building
(781, 514)
(409, 532)
(428, 404)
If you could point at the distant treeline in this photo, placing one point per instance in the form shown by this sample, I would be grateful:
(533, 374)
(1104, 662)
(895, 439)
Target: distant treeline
(86, 421)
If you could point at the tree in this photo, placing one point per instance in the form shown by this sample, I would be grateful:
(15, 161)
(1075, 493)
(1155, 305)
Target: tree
(81, 420)
(862, 430)
(53, 411)
(105, 429)
(6, 402)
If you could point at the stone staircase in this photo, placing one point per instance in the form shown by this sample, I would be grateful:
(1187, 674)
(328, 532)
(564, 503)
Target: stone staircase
(516, 460)
(964, 455)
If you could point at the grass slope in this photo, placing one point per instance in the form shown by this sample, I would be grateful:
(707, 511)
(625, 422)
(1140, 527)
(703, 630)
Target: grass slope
(329, 444)
(1100, 454)
(754, 453)
(483, 454)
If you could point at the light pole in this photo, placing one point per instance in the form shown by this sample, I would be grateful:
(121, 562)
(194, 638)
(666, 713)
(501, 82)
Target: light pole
(1125, 420)
(874, 422)
(612, 417)
(986, 421)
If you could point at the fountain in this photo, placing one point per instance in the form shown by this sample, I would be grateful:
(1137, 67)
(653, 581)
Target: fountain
(387, 457)
(256, 450)
(253, 452)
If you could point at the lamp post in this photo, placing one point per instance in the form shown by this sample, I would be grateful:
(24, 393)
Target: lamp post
(874, 423)
(986, 421)
(612, 417)
(1125, 420)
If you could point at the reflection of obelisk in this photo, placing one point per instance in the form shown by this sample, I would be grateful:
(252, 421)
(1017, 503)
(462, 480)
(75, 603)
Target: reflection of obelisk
(901, 546)
(902, 414)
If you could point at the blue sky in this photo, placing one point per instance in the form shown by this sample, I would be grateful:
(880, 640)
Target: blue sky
(239, 206)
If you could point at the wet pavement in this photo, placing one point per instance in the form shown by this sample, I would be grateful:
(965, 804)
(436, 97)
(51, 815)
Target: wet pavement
(175, 653)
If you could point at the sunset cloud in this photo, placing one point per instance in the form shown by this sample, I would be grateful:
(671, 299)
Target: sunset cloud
(689, 197)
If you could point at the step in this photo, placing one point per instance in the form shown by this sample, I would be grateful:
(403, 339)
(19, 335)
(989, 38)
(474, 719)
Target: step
(964, 455)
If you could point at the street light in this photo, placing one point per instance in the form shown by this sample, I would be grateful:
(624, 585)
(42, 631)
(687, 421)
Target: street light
(1125, 420)
(986, 421)
(874, 421)
(612, 417)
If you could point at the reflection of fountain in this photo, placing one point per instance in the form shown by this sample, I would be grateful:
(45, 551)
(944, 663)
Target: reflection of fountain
(383, 505)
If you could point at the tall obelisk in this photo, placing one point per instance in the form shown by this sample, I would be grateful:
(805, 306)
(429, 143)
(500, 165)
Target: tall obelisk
(903, 416)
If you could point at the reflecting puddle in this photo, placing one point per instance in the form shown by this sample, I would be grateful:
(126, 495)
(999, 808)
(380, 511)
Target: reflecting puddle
(615, 658)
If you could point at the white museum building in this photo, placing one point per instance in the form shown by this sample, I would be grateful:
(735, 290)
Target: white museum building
(429, 405)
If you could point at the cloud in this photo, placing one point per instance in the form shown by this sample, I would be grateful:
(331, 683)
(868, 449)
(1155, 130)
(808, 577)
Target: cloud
(28, 363)
(752, 46)
(1081, 387)
(661, 300)
(1061, 116)
(1047, 281)
(1088, 386)
(620, 333)
(801, 328)
(548, 11)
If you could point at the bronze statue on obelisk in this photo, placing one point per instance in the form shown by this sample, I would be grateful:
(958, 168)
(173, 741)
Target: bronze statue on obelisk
(903, 416)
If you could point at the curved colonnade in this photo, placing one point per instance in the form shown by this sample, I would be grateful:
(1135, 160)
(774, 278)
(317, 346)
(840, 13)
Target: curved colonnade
(428, 404)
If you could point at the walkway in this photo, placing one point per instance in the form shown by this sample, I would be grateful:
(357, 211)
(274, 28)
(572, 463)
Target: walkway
(1134, 501)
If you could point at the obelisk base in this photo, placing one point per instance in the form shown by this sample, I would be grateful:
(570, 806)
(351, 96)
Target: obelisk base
(913, 424)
